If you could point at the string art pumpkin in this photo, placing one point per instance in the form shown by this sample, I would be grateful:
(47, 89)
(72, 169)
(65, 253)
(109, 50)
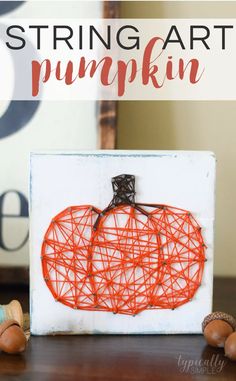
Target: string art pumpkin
(125, 259)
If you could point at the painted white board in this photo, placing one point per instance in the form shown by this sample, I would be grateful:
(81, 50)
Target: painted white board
(59, 180)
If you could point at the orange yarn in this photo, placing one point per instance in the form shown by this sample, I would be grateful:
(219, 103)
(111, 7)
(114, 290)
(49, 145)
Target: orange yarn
(129, 258)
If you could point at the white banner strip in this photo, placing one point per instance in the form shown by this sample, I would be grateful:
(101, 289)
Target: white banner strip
(158, 59)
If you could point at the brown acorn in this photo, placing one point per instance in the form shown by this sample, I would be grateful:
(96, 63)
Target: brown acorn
(12, 337)
(230, 346)
(216, 327)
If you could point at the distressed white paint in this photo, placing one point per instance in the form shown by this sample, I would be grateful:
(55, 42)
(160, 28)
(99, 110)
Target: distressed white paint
(62, 180)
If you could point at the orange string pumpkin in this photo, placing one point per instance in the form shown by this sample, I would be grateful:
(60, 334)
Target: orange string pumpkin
(125, 259)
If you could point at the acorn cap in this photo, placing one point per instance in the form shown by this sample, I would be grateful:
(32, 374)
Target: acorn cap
(14, 311)
(219, 316)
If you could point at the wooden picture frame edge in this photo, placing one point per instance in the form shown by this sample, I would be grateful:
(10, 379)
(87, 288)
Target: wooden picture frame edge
(108, 109)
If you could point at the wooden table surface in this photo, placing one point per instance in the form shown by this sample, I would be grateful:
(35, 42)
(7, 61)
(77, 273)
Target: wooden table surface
(108, 358)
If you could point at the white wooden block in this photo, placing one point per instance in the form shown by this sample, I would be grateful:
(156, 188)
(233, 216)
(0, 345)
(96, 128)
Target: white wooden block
(59, 180)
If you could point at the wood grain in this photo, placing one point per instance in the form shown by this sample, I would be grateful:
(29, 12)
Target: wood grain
(111, 9)
(116, 358)
(108, 109)
(108, 124)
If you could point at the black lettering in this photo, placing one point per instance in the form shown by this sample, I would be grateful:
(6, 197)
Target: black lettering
(136, 39)
(223, 27)
(66, 39)
(176, 40)
(106, 43)
(38, 29)
(14, 36)
(203, 39)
